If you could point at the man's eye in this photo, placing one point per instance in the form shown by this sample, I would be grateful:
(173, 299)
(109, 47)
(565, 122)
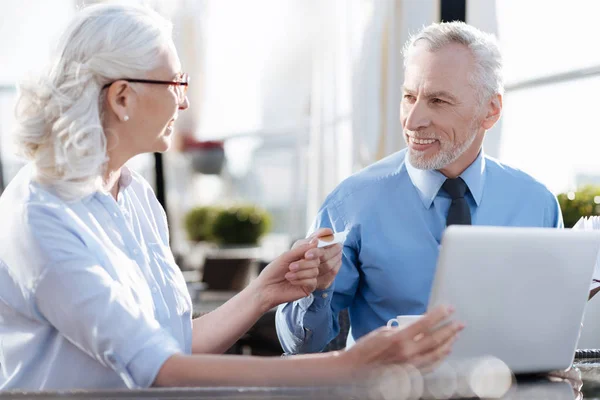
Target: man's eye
(438, 101)
(409, 97)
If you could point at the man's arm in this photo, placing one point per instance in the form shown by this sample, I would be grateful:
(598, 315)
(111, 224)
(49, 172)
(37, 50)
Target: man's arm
(309, 324)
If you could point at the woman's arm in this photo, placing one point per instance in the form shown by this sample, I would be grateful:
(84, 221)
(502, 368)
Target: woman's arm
(218, 330)
(230, 370)
(418, 344)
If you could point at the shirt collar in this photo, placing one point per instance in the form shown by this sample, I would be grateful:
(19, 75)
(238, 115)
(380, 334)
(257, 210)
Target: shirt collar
(428, 182)
(125, 179)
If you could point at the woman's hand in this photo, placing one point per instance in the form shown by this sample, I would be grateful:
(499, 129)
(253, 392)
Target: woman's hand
(419, 344)
(289, 277)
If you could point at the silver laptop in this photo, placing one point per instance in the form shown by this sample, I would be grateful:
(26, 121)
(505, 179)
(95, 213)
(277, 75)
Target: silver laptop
(521, 292)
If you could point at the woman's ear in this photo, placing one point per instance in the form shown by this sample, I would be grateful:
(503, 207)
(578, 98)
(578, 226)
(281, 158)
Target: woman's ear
(119, 98)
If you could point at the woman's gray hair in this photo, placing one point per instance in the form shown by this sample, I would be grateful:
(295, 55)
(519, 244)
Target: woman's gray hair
(488, 78)
(59, 112)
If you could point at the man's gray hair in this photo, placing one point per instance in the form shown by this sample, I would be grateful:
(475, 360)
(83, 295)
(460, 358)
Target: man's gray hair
(488, 78)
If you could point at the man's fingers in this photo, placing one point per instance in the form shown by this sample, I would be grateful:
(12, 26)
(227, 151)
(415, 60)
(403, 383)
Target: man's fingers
(330, 266)
(332, 252)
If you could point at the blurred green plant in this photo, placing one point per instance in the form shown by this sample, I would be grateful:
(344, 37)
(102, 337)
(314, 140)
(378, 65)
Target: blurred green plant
(240, 225)
(198, 222)
(581, 203)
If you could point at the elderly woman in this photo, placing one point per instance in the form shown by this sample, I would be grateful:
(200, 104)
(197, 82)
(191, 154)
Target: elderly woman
(90, 296)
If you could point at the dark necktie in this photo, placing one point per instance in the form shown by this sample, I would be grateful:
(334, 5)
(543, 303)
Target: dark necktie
(459, 212)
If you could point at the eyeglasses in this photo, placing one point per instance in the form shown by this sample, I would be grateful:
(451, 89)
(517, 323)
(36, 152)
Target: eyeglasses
(181, 85)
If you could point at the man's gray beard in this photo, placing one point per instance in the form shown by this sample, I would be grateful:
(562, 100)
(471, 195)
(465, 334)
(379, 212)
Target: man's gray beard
(442, 158)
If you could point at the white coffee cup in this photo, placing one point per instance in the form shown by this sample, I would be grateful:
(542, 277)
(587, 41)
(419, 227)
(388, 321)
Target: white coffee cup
(402, 321)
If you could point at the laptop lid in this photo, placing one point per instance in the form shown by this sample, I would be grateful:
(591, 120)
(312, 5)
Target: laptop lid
(521, 292)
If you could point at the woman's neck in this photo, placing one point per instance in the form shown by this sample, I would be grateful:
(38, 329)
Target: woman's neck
(112, 174)
(111, 182)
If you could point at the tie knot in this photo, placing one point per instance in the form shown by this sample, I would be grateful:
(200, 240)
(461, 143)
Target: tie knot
(456, 188)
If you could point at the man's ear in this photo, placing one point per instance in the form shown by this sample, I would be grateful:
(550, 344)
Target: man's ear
(494, 110)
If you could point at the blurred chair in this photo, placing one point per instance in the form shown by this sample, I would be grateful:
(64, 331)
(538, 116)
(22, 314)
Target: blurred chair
(339, 342)
(590, 332)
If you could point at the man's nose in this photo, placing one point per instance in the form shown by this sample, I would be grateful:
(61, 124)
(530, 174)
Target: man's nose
(417, 116)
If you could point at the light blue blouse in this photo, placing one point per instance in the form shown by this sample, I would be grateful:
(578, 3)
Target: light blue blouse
(90, 295)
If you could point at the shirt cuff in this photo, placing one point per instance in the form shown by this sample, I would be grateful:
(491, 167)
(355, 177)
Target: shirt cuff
(317, 299)
(145, 364)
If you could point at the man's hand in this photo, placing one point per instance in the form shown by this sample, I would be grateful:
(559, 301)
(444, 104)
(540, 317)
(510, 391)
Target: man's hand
(330, 261)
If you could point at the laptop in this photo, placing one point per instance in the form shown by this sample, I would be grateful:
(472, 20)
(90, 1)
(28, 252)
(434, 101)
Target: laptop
(521, 292)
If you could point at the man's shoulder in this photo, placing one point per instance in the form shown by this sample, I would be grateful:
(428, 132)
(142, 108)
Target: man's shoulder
(372, 178)
(507, 176)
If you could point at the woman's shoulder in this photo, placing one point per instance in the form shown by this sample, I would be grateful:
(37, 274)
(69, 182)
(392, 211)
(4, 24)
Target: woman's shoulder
(21, 190)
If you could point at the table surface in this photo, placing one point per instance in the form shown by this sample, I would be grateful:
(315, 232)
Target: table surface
(582, 382)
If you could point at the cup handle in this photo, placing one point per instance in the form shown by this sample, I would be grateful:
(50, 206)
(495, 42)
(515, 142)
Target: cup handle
(391, 322)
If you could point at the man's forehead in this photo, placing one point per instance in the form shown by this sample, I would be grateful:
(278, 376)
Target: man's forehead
(446, 69)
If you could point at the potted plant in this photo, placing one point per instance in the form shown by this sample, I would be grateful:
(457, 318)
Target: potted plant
(584, 202)
(198, 222)
(240, 226)
(236, 231)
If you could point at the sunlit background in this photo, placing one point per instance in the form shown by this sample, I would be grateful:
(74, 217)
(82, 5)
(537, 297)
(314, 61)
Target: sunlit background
(305, 92)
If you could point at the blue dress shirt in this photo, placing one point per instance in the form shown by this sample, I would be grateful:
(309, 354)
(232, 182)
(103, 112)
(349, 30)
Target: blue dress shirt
(90, 295)
(396, 215)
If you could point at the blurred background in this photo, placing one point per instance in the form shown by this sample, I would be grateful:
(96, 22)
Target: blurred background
(289, 97)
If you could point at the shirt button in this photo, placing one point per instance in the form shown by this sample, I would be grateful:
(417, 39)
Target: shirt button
(324, 295)
(116, 215)
(154, 289)
(136, 252)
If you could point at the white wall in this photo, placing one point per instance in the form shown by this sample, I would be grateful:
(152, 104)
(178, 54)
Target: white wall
(28, 28)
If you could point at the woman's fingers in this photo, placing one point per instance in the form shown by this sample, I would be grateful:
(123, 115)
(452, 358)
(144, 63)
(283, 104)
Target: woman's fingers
(299, 252)
(434, 355)
(307, 285)
(305, 270)
(425, 341)
(428, 322)
(433, 340)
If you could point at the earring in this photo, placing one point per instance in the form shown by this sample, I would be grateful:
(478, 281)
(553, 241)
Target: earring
(126, 118)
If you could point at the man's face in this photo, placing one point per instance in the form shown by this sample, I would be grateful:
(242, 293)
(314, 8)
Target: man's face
(440, 112)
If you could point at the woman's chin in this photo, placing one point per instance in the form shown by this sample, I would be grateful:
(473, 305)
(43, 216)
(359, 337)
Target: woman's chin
(163, 144)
